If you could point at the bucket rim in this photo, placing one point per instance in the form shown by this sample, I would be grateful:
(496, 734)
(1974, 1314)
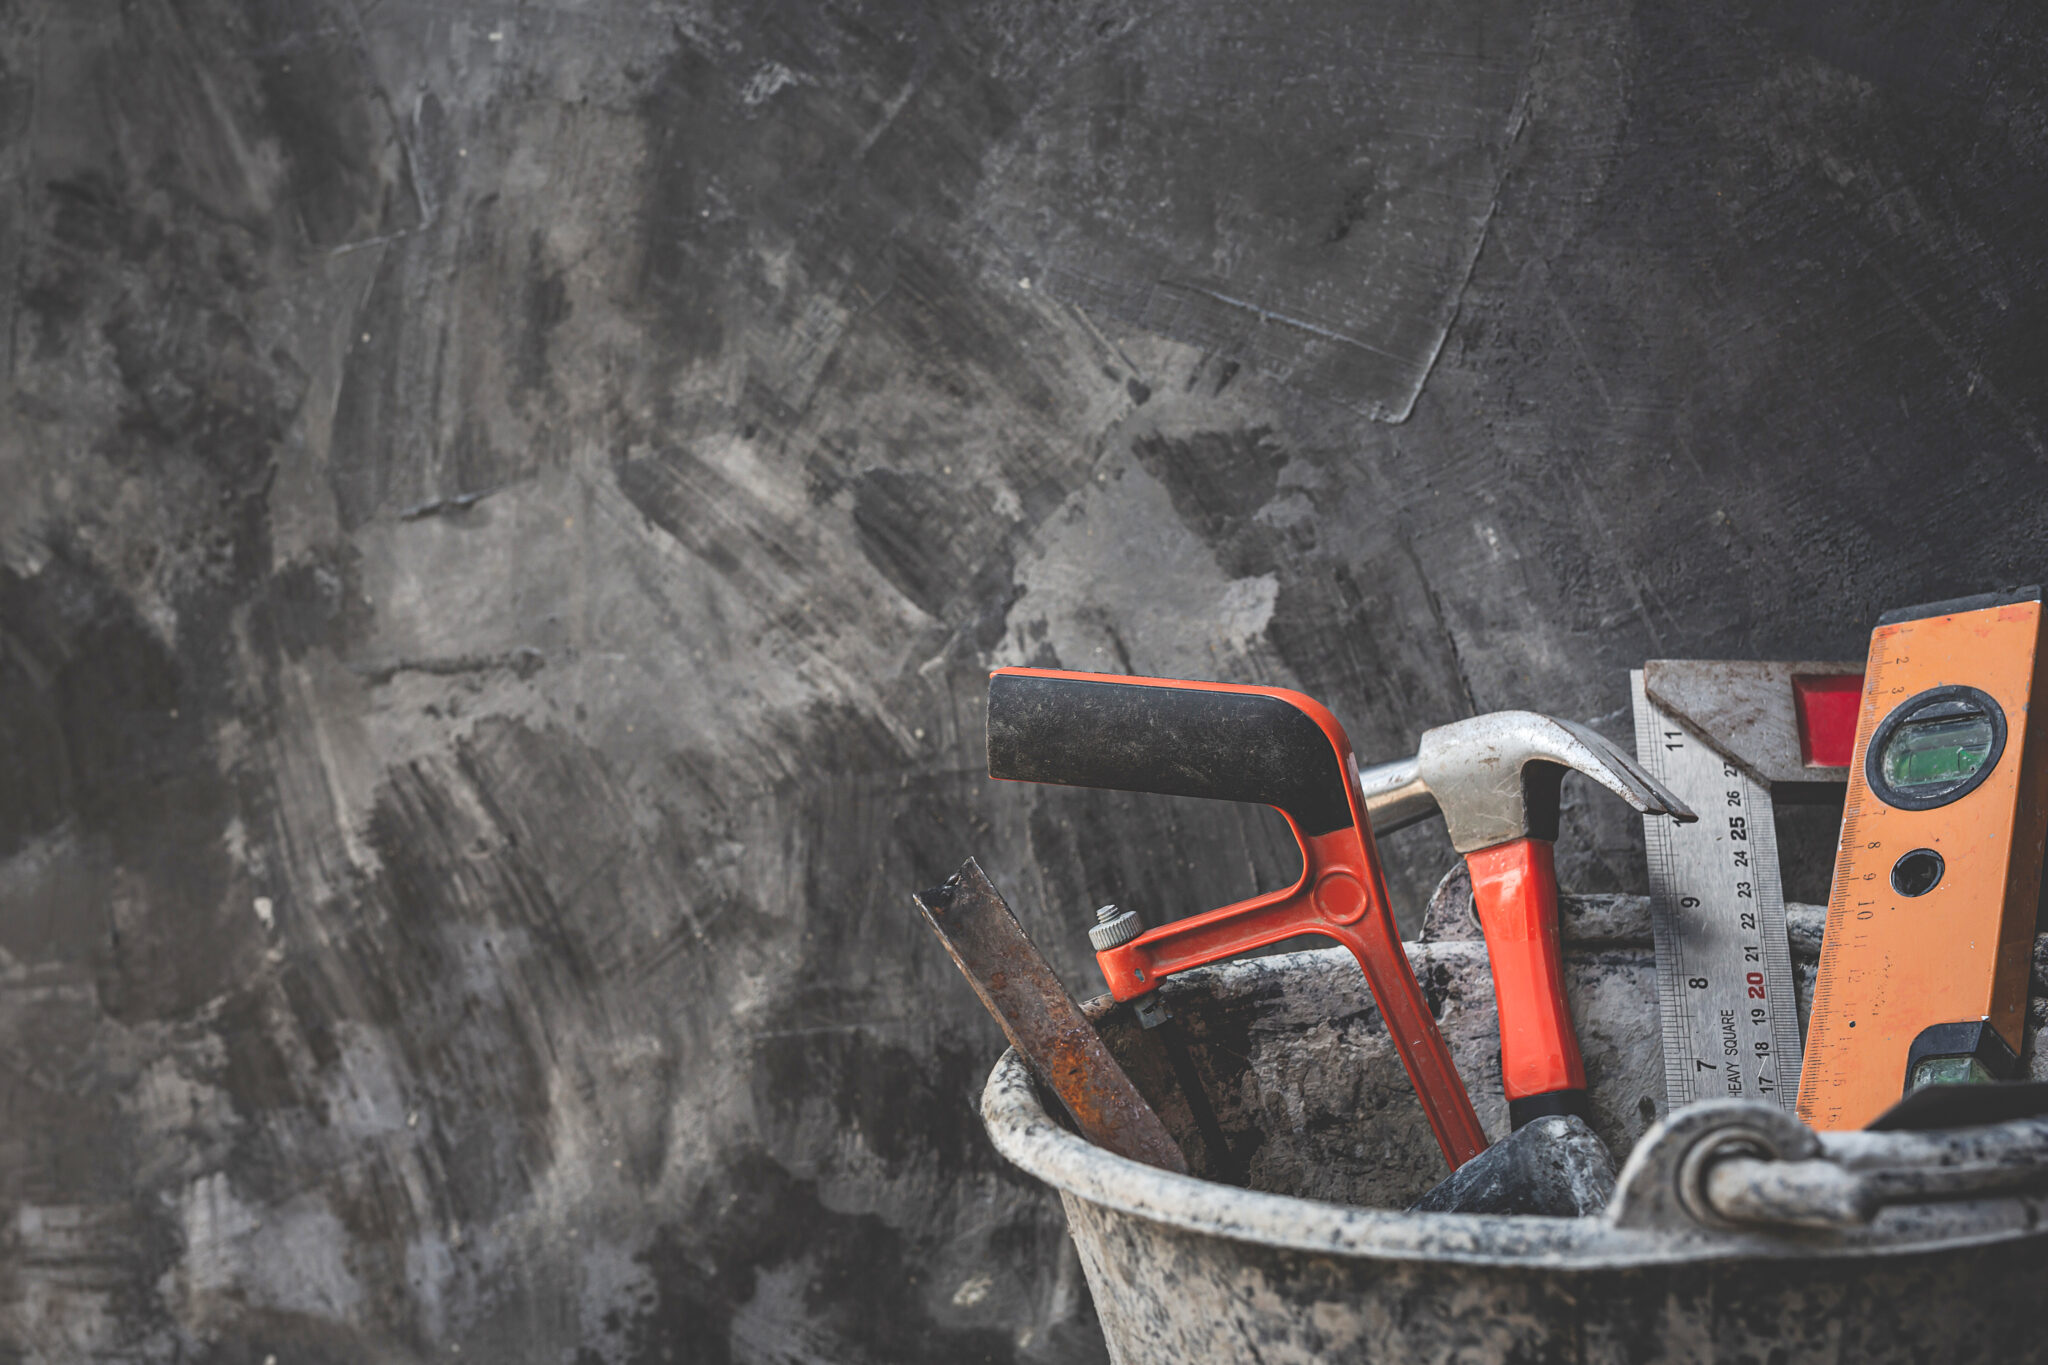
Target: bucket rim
(1027, 1136)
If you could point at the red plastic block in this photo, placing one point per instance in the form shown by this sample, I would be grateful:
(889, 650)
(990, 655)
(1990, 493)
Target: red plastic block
(1827, 704)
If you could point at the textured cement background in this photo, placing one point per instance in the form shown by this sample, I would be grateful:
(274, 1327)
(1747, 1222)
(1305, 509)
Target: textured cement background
(505, 509)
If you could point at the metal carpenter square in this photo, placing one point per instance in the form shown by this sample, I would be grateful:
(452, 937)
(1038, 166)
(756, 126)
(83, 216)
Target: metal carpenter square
(1923, 972)
(1717, 912)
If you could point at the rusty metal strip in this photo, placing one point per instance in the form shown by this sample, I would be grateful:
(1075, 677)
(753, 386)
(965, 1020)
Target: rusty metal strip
(1018, 986)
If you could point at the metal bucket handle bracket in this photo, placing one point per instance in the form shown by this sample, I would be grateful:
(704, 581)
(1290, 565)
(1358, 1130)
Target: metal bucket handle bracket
(1662, 1187)
(1729, 1165)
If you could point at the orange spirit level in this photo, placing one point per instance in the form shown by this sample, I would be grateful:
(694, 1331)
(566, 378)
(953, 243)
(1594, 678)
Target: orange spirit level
(1923, 972)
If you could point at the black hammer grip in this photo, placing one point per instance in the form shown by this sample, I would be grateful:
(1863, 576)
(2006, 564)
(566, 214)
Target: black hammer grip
(1170, 737)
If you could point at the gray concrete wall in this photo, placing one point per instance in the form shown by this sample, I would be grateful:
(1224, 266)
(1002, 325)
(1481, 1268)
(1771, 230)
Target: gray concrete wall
(505, 510)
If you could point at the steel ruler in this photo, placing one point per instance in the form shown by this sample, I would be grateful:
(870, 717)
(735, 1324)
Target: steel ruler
(1729, 1014)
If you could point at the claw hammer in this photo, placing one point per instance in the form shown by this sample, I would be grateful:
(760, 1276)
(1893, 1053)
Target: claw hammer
(1235, 743)
(1495, 778)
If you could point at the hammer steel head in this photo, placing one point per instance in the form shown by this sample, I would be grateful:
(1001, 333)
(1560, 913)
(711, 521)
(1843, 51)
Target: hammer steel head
(1495, 777)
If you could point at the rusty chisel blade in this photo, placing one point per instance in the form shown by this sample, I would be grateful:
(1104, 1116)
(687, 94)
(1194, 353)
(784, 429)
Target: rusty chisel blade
(1017, 985)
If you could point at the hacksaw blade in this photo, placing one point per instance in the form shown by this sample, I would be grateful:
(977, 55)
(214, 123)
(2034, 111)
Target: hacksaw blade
(1729, 1014)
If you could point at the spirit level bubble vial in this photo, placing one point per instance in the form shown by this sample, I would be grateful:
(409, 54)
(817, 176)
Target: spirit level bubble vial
(1923, 971)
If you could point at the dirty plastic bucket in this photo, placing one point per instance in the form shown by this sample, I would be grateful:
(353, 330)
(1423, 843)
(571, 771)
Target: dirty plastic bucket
(1317, 1261)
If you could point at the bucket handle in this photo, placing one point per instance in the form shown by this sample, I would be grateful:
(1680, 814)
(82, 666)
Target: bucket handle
(1739, 1164)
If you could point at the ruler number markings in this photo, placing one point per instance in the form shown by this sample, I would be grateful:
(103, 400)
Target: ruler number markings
(1724, 973)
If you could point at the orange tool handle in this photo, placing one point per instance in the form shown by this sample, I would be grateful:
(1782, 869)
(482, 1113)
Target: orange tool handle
(1237, 743)
(1341, 895)
(1514, 888)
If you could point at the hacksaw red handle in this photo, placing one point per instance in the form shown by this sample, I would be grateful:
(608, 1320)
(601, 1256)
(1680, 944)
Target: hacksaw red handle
(1514, 888)
(1233, 742)
(1342, 896)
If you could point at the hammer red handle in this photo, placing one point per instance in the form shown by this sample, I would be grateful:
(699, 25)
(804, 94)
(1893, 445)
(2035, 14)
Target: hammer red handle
(1239, 743)
(1514, 889)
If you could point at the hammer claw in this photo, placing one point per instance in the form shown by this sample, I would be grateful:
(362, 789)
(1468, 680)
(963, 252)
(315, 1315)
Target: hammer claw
(1622, 775)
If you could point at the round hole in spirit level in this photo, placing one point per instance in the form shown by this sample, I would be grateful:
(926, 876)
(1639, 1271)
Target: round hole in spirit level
(1917, 873)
